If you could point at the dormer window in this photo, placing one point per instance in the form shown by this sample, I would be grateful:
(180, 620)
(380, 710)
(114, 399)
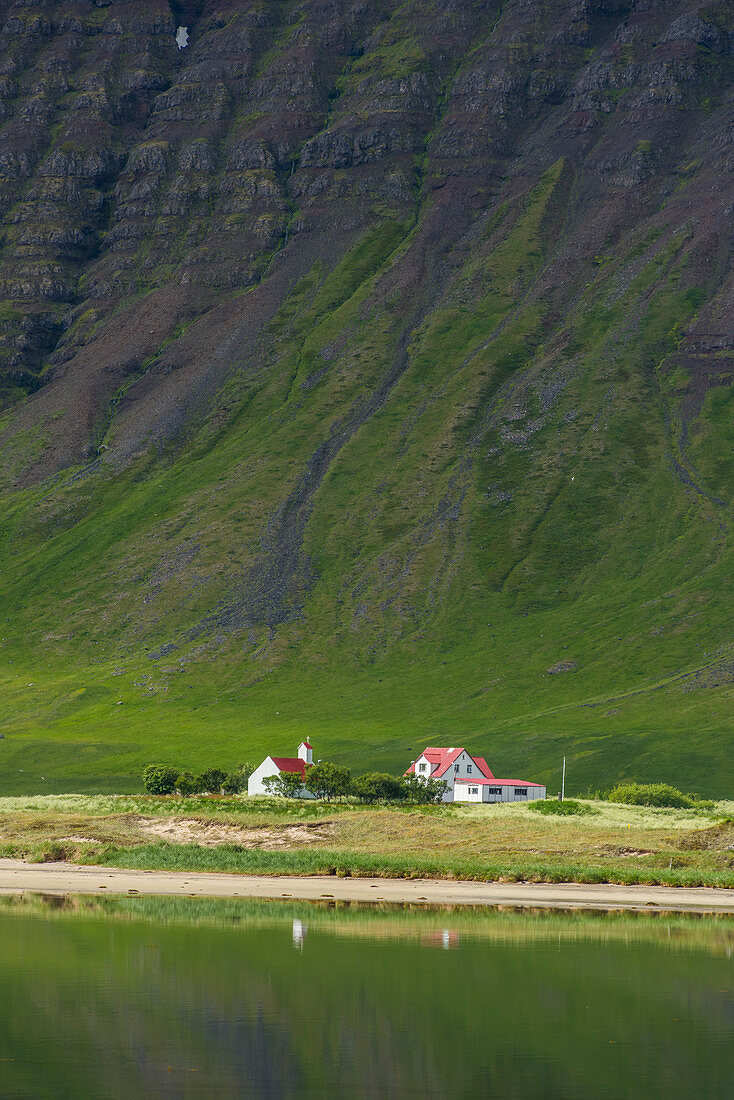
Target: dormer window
(422, 767)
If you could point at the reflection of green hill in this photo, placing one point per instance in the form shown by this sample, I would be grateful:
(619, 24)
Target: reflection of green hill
(112, 1008)
(380, 921)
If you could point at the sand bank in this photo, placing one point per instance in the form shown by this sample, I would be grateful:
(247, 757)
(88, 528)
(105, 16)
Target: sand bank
(17, 877)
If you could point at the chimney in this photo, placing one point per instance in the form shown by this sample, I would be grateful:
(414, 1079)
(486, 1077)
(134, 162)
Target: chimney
(305, 752)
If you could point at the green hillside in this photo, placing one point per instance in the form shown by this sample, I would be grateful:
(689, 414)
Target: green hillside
(447, 457)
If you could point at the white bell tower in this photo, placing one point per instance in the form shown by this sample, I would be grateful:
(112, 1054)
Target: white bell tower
(305, 752)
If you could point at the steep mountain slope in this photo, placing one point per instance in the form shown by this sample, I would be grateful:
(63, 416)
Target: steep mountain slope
(366, 372)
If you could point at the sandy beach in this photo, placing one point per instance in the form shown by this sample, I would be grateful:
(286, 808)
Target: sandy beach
(17, 877)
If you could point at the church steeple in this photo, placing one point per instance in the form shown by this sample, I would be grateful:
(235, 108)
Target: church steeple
(305, 752)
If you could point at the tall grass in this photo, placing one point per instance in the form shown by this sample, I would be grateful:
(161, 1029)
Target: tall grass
(232, 859)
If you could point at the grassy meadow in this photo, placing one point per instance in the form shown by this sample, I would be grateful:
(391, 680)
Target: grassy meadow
(511, 842)
(510, 553)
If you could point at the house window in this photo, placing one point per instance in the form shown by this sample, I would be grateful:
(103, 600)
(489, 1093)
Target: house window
(521, 792)
(422, 767)
(456, 769)
(474, 790)
(495, 790)
(468, 769)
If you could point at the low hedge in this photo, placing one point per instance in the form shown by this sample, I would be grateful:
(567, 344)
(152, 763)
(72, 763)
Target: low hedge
(568, 808)
(657, 794)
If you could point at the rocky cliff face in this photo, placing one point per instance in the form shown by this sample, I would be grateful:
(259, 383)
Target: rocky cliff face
(135, 170)
(443, 290)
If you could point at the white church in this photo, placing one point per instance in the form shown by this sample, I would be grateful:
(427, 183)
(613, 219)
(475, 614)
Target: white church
(274, 765)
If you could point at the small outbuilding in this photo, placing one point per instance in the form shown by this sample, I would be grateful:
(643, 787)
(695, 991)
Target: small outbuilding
(274, 765)
(497, 790)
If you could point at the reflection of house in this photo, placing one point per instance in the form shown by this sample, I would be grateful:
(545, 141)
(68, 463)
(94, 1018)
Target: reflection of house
(469, 779)
(447, 939)
(274, 765)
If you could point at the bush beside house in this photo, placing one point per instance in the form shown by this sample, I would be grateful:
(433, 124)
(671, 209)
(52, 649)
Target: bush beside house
(162, 779)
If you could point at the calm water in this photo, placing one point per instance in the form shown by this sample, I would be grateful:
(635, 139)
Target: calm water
(140, 1002)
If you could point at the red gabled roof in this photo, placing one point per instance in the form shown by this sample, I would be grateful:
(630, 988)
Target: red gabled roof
(517, 783)
(442, 759)
(433, 756)
(438, 759)
(483, 766)
(289, 764)
(450, 755)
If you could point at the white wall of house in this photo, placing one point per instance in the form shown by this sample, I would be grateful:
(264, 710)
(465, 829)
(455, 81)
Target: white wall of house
(497, 792)
(521, 792)
(466, 792)
(462, 767)
(423, 768)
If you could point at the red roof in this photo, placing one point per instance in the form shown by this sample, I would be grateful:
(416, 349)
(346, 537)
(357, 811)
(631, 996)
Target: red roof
(516, 783)
(433, 756)
(483, 766)
(450, 755)
(289, 764)
(442, 759)
(479, 782)
(497, 782)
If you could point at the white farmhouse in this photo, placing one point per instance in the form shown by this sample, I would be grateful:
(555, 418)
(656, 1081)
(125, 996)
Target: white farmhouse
(469, 779)
(274, 765)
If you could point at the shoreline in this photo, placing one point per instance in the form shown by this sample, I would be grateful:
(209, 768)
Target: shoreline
(17, 877)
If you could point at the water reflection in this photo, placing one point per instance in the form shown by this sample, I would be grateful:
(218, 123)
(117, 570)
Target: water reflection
(446, 938)
(299, 933)
(189, 998)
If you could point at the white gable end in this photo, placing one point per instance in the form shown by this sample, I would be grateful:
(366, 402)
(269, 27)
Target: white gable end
(255, 782)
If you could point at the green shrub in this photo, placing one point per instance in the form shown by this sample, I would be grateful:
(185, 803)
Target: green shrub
(286, 784)
(187, 784)
(234, 783)
(652, 794)
(160, 779)
(211, 781)
(327, 780)
(568, 808)
(379, 787)
(423, 791)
